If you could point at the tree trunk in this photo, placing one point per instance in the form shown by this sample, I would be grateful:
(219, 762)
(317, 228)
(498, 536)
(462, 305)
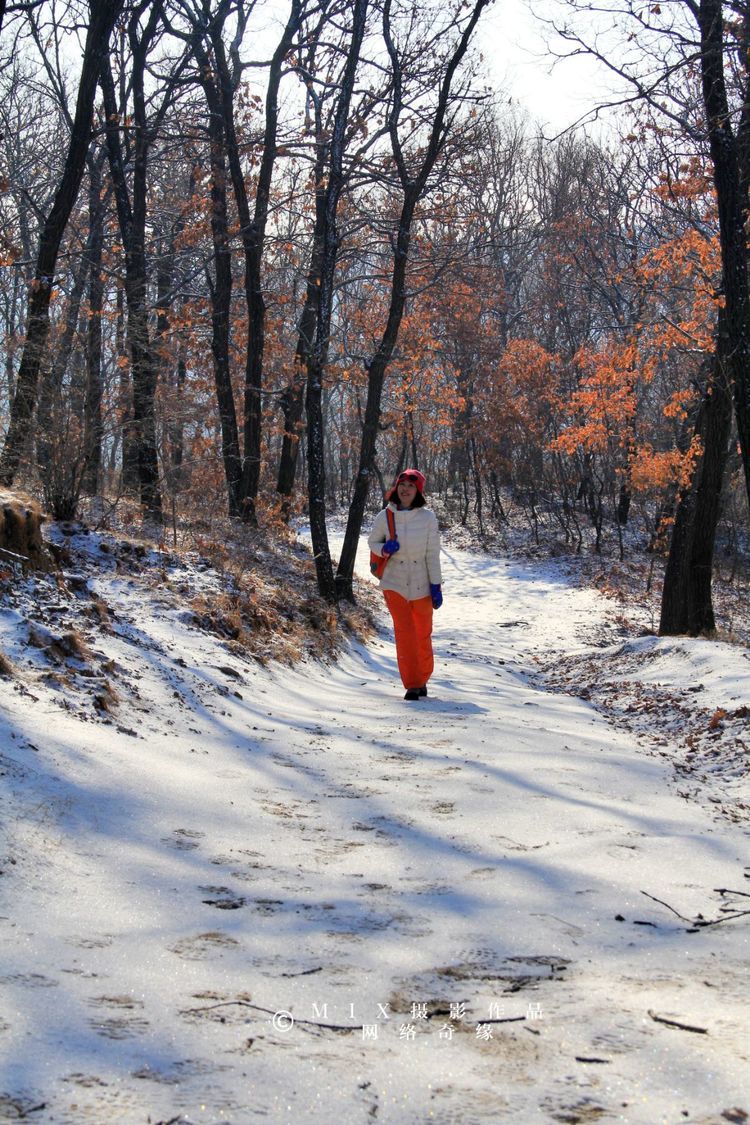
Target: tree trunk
(221, 292)
(50, 397)
(293, 397)
(732, 205)
(125, 406)
(253, 239)
(92, 418)
(175, 379)
(316, 362)
(686, 605)
(103, 15)
(132, 221)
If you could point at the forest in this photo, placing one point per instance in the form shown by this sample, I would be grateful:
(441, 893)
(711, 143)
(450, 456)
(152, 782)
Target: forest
(255, 259)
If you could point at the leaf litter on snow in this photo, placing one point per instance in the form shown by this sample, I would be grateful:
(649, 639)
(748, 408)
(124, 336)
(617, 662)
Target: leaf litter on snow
(688, 698)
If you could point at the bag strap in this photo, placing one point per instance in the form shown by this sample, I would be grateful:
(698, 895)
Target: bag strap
(390, 519)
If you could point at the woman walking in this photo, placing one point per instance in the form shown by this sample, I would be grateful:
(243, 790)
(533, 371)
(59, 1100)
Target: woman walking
(411, 582)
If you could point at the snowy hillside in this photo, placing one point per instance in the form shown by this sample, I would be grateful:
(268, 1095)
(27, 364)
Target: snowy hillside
(234, 891)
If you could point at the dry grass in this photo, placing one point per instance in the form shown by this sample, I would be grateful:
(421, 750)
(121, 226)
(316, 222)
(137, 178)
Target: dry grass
(6, 667)
(106, 698)
(70, 646)
(99, 612)
(270, 607)
(277, 622)
(21, 521)
(58, 647)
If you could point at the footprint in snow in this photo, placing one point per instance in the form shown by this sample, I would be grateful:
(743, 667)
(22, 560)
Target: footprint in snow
(16, 1107)
(177, 1072)
(87, 1081)
(203, 947)
(267, 906)
(583, 1110)
(120, 1027)
(222, 898)
(184, 839)
(117, 1002)
(515, 973)
(100, 942)
(29, 980)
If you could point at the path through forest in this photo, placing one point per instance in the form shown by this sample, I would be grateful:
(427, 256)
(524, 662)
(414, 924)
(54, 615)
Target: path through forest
(288, 895)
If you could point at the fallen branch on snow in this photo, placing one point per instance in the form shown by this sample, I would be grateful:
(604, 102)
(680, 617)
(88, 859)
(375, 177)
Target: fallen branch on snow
(271, 1012)
(700, 922)
(662, 903)
(677, 1024)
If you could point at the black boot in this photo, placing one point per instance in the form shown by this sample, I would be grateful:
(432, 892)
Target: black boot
(412, 693)
(422, 691)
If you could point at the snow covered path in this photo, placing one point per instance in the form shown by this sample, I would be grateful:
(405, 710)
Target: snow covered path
(289, 895)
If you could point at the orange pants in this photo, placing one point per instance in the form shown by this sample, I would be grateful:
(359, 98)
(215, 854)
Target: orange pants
(412, 625)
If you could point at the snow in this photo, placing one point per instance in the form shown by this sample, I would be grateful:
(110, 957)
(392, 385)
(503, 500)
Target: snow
(679, 661)
(233, 841)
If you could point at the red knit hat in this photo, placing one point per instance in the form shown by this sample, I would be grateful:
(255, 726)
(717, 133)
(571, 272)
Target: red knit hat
(413, 476)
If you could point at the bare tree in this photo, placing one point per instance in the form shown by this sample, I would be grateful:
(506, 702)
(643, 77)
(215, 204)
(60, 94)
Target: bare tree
(414, 161)
(220, 71)
(678, 41)
(102, 17)
(317, 355)
(320, 60)
(92, 419)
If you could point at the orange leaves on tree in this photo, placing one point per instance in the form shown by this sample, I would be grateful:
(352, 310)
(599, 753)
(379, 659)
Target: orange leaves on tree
(680, 403)
(653, 470)
(687, 270)
(520, 395)
(604, 405)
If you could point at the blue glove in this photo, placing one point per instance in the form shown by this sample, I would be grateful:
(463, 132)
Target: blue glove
(437, 595)
(391, 546)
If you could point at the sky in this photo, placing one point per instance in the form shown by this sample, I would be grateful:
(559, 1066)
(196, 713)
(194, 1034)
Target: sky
(514, 37)
(515, 41)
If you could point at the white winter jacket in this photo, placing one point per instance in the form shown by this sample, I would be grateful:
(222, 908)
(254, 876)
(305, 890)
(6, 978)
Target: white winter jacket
(416, 564)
